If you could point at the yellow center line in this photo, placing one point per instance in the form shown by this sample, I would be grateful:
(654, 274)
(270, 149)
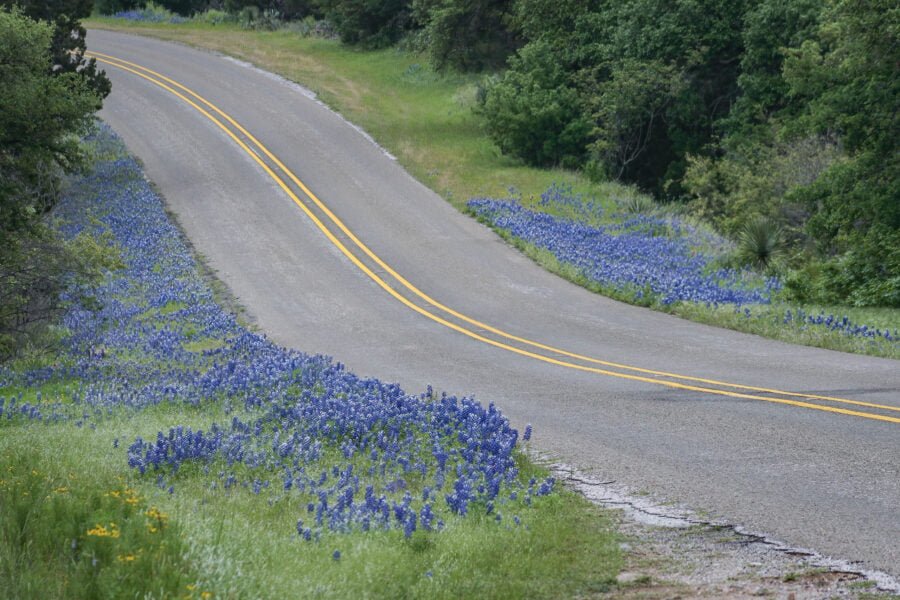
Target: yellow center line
(340, 224)
(137, 70)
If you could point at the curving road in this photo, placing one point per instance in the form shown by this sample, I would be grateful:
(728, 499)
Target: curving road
(799, 443)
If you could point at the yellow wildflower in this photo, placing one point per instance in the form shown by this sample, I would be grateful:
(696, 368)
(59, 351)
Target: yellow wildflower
(155, 513)
(126, 558)
(101, 531)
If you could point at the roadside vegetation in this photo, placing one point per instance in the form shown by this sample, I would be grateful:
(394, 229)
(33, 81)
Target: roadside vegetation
(165, 449)
(751, 172)
(152, 446)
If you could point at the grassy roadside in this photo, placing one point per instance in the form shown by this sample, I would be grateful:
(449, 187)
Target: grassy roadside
(60, 483)
(426, 121)
(261, 466)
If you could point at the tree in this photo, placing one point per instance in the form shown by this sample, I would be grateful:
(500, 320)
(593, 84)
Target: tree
(534, 113)
(368, 23)
(68, 39)
(467, 35)
(681, 58)
(41, 117)
(629, 112)
(849, 81)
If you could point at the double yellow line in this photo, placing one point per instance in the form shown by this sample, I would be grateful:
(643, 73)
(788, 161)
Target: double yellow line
(455, 320)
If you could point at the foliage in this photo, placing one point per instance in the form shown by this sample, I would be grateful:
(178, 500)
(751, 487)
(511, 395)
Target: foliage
(759, 243)
(35, 271)
(65, 536)
(68, 38)
(532, 111)
(467, 35)
(771, 27)
(629, 114)
(185, 8)
(288, 9)
(368, 23)
(850, 79)
(758, 180)
(111, 7)
(39, 114)
(642, 70)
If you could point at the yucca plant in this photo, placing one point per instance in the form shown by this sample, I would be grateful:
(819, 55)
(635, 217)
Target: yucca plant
(636, 205)
(760, 242)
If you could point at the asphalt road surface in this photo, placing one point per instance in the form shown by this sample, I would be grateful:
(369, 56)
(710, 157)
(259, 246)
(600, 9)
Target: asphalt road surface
(723, 422)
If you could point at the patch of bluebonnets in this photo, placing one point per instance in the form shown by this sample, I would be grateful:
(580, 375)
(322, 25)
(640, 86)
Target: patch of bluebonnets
(648, 256)
(355, 453)
(143, 15)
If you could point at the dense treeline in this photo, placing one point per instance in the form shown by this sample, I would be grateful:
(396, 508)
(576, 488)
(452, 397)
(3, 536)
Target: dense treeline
(774, 119)
(49, 92)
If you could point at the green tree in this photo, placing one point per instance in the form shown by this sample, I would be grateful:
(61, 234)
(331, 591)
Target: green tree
(681, 58)
(41, 117)
(770, 29)
(849, 81)
(368, 23)
(533, 112)
(629, 111)
(68, 38)
(467, 35)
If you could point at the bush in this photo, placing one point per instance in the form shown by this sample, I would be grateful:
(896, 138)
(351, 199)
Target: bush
(467, 35)
(111, 7)
(368, 23)
(760, 243)
(531, 112)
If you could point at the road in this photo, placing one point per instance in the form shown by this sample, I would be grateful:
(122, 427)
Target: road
(651, 401)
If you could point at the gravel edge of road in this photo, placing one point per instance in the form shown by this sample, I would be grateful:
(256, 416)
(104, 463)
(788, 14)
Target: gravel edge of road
(673, 552)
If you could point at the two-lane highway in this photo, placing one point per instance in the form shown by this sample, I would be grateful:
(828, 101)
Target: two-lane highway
(333, 248)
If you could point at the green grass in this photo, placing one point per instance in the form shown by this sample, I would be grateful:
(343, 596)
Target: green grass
(59, 482)
(67, 531)
(426, 121)
(768, 321)
(77, 522)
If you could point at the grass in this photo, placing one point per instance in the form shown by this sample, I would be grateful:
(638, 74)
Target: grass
(426, 121)
(77, 522)
(768, 321)
(240, 544)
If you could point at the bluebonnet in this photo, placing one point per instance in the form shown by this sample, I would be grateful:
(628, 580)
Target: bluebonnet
(644, 254)
(358, 453)
(147, 15)
(647, 257)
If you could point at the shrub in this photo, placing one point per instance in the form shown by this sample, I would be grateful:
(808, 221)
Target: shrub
(532, 112)
(368, 23)
(759, 243)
